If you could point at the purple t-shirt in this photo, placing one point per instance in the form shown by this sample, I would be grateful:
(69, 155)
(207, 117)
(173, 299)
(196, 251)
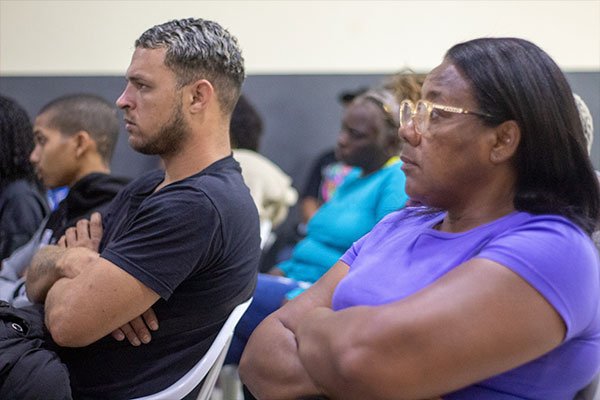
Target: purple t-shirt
(403, 254)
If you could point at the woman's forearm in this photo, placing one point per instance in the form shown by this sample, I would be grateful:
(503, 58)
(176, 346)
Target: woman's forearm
(270, 366)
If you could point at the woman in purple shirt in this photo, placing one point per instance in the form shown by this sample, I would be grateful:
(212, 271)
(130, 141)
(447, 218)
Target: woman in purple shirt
(489, 289)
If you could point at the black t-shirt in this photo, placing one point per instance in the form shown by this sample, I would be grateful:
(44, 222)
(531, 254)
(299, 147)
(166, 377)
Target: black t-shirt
(194, 242)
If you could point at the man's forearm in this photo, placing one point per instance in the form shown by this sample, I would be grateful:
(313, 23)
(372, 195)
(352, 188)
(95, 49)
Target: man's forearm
(43, 272)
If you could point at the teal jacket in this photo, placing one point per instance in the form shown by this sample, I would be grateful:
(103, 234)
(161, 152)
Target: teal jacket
(356, 206)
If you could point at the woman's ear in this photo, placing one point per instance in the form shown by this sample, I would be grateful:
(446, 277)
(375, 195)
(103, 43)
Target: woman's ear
(507, 139)
(201, 92)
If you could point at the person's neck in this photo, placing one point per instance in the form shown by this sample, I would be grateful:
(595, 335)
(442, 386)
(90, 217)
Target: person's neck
(477, 211)
(468, 219)
(379, 164)
(486, 203)
(194, 156)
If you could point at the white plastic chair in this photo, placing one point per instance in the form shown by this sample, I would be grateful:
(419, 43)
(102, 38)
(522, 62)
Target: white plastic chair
(208, 367)
(591, 391)
(266, 228)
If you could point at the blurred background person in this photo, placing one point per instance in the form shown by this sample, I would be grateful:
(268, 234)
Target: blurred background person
(373, 188)
(22, 203)
(326, 173)
(367, 141)
(75, 137)
(270, 187)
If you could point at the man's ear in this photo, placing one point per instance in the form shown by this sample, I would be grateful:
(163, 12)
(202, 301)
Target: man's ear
(507, 139)
(201, 92)
(83, 142)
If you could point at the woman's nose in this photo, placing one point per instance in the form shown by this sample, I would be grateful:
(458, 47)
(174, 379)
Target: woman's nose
(342, 138)
(408, 133)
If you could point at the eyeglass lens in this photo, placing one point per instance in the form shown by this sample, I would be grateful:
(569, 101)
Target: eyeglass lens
(406, 112)
(420, 116)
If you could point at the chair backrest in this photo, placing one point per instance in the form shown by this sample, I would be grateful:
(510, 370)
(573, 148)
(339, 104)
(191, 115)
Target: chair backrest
(208, 367)
(591, 391)
(266, 228)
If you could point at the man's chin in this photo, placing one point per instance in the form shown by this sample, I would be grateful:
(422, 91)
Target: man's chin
(143, 148)
(135, 143)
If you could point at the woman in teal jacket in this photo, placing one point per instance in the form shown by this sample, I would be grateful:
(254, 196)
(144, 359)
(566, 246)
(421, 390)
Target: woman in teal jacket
(369, 142)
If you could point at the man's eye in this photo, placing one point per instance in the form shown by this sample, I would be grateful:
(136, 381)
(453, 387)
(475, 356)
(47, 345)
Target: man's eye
(141, 86)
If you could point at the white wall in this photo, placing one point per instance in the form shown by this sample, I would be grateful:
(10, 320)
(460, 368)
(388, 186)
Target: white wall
(89, 37)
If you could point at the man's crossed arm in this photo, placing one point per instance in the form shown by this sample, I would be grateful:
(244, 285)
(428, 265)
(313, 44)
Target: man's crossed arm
(87, 297)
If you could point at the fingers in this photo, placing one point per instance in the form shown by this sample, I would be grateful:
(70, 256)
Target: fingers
(135, 331)
(77, 235)
(150, 319)
(126, 331)
(129, 333)
(96, 230)
(70, 237)
(140, 330)
(85, 233)
(62, 242)
(118, 334)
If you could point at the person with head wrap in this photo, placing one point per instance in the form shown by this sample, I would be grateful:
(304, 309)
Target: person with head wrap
(368, 142)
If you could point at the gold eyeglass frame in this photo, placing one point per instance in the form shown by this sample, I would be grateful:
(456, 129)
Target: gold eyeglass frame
(429, 106)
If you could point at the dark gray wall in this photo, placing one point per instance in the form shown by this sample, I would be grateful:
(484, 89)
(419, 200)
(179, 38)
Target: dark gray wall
(301, 112)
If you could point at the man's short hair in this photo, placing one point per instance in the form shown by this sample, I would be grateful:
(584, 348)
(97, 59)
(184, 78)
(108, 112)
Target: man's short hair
(85, 112)
(200, 49)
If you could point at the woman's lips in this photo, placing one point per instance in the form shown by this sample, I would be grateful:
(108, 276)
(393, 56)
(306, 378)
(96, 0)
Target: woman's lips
(407, 161)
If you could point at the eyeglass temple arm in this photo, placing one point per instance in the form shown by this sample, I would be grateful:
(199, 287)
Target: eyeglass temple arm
(458, 110)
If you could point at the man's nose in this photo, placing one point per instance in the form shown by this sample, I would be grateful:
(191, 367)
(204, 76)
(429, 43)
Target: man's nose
(124, 100)
(34, 156)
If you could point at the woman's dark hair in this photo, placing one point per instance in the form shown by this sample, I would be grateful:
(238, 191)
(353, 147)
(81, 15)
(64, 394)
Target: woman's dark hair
(246, 126)
(513, 79)
(16, 143)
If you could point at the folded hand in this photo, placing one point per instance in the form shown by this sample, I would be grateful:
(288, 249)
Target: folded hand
(85, 234)
(138, 330)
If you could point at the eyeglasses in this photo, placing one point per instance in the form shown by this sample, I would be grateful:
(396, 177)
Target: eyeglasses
(421, 113)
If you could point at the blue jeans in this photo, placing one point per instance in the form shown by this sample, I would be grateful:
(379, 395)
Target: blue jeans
(269, 294)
